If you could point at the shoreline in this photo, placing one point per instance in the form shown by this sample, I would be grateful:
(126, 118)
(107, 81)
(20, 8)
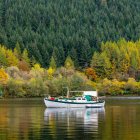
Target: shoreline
(101, 97)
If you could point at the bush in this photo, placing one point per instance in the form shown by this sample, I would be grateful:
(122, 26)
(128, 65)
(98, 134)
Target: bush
(109, 87)
(14, 88)
(131, 86)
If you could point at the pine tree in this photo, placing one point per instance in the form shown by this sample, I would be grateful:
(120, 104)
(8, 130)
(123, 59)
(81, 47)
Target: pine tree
(3, 59)
(33, 61)
(73, 55)
(69, 64)
(25, 56)
(101, 64)
(85, 54)
(61, 56)
(52, 63)
(17, 51)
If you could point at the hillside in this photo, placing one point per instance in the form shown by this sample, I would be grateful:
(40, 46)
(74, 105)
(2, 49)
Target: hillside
(67, 27)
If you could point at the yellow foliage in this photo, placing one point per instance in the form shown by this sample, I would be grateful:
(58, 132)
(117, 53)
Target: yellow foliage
(3, 77)
(37, 67)
(91, 83)
(131, 84)
(37, 71)
(12, 60)
(50, 72)
(32, 81)
(19, 82)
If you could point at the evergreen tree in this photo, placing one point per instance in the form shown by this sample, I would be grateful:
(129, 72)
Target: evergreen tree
(17, 51)
(53, 63)
(45, 26)
(73, 55)
(56, 56)
(101, 64)
(25, 56)
(3, 58)
(69, 64)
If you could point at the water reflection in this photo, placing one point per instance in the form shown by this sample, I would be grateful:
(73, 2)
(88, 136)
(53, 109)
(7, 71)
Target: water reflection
(29, 120)
(73, 119)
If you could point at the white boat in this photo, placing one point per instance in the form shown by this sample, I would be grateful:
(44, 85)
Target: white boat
(89, 99)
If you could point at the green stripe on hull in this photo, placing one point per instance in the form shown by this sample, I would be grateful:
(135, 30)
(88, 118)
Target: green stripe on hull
(74, 102)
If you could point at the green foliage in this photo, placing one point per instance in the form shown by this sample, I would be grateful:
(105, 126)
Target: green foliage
(101, 64)
(36, 87)
(121, 57)
(15, 88)
(17, 51)
(115, 87)
(132, 86)
(3, 59)
(108, 87)
(25, 56)
(13, 72)
(53, 63)
(37, 71)
(69, 64)
(46, 27)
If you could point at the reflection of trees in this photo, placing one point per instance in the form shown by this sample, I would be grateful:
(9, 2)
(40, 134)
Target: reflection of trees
(3, 122)
(19, 121)
(25, 120)
(121, 123)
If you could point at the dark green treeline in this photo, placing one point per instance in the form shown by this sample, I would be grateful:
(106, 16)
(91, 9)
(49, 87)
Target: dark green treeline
(67, 27)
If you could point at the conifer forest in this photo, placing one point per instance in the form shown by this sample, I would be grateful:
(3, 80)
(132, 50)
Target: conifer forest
(83, 44)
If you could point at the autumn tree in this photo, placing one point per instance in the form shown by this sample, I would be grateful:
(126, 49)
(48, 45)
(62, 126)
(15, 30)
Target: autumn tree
(52, 63)
(69, 64)
(101, 64)
(3, 76)
(50, 72)
(11, 58)
(91, 74)
(23, 65)
(25, 56)
(37, 71)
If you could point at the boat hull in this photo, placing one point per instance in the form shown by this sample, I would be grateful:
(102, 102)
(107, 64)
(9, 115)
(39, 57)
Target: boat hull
(64, 104)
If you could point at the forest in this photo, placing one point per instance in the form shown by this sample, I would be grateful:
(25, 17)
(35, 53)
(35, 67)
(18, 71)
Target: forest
(113, 71)
(55, 28)
(46, 45)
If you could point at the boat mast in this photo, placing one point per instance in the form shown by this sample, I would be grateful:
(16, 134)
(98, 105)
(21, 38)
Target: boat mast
(68, 92)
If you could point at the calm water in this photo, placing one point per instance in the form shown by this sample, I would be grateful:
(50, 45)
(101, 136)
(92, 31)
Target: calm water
(29, 119)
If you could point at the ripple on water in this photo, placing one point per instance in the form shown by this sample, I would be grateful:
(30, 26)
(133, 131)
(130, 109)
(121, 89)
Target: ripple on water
(28, 119)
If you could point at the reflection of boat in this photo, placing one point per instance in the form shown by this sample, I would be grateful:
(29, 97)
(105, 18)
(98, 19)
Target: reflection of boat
(71, 117)
(88, 99)
(80, 112)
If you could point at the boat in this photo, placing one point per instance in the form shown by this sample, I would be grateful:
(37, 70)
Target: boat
(89, 99)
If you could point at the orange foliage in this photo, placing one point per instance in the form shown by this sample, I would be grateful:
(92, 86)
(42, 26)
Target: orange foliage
(3, 77)
(24, 66)
(91, 74)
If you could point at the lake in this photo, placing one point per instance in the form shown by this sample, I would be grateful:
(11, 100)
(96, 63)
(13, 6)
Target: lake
(28, 119)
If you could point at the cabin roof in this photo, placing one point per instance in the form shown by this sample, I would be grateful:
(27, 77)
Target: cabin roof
(92, 93)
